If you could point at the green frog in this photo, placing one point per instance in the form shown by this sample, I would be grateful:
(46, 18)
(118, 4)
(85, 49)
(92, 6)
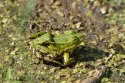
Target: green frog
(57, 45)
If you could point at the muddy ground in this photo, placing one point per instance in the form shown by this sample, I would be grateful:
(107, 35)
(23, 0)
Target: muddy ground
(103, 22)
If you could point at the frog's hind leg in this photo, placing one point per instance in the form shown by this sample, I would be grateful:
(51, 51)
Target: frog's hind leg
(41, 48)
(67, 59)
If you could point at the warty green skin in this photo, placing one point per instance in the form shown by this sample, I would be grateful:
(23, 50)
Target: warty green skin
(59, 45)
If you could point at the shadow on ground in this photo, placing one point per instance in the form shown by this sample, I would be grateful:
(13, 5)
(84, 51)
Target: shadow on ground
(84, 53)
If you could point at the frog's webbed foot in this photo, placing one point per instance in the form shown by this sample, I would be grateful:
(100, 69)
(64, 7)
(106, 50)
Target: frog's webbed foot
(67, 59)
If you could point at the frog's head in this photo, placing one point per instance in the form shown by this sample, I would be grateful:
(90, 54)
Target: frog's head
(76, 38)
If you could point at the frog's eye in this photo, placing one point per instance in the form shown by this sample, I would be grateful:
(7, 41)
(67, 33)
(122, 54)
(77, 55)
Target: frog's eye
(75, 39)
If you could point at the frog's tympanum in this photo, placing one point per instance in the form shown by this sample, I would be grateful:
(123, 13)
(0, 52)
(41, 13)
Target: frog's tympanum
(58, 46)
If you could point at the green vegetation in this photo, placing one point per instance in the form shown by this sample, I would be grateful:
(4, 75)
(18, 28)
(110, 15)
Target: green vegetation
(103, 22)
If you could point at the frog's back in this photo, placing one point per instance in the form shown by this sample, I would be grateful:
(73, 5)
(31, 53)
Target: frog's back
(61, 39)
(44, 38)
(66, 37)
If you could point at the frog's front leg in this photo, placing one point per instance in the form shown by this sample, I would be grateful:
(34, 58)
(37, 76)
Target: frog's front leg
(67, 59)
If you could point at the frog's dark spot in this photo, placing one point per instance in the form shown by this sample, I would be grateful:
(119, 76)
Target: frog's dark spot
(45, 44)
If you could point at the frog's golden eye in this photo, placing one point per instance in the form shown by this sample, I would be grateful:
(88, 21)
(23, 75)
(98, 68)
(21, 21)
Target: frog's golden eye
(75, 39)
